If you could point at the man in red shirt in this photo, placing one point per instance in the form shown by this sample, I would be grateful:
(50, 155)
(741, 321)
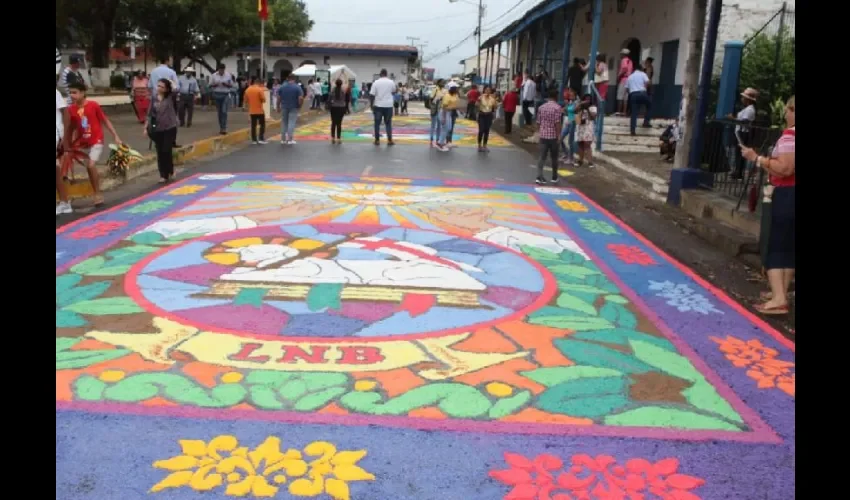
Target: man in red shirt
(86, 132)
(518, 80)
(626, 70)
(471, 98)
(509, 104)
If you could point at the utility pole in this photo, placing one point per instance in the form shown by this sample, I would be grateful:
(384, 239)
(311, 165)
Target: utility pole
(690, 89)
(421, 58)
(478, 47)
(412, 40)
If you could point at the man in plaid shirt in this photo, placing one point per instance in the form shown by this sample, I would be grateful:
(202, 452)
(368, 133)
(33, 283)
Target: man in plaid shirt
(549, 117)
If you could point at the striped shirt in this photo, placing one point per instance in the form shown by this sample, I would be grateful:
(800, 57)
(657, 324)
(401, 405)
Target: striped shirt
(68, 77)
(785, 145)
(549, 117)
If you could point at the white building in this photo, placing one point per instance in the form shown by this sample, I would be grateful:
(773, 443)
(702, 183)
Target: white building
(656, 28)
(469, 64)
(365, 60)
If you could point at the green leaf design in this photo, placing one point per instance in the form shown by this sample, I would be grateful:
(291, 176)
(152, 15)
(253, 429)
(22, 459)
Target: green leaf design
(250, 297)
(575, 258)
(618, 314)
(146, 238)
(601, 282)
(65, 343)
(111, 271)
(66, 282)
(571, 287)
(81, 293)
(185, 236)
(554, 375)
(69, 360)
(666, 361)
(617, 299)
(564, 400)
(586, 353)
(622, 336)
(572, 270)
(660, 416)
(575, 323)
(68, 319)
(89, 265)
(106, 306)
(317, 400)
(143, 249)
(509, 405)
(539, 254)
(324, 295)
(568, 301)
(704, 396)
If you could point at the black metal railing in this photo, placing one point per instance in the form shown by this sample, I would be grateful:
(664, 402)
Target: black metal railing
(721, 155)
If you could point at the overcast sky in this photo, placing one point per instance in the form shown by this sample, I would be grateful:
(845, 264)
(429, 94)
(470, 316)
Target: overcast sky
(438, 23)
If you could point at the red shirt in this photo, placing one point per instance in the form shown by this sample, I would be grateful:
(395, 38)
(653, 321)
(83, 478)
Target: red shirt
(518, 82)
(87, 122)
(473, 95)
(510, 101)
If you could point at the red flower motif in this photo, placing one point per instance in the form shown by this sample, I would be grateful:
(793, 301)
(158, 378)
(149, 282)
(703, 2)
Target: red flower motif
(97, 230)
(631, 254)
(594, 477)
(470, 184)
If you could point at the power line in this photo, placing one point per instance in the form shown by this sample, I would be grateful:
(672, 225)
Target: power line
(394, 22)
(450, 48)
(504, 14)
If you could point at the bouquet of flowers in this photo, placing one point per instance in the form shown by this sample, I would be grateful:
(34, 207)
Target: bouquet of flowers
(120, 158)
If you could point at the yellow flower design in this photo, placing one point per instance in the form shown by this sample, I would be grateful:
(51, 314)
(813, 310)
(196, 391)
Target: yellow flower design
(187, 189)
(260, 472)
(571, 206)
(386, 179)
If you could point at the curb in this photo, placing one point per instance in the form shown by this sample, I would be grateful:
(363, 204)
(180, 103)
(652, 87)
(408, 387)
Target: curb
(81, 188)
(657, 186)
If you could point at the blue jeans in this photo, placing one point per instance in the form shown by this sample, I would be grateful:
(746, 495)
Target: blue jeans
(385, 114)
(221, 105)
(569, 131)
(436, 127)
(445, 125)
(637, 99)
(287, 123)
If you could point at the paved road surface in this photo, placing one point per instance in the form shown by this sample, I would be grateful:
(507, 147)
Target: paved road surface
(319, 328)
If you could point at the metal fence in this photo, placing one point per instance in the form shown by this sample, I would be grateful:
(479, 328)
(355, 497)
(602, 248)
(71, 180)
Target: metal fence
(768, 64)
(721, 156)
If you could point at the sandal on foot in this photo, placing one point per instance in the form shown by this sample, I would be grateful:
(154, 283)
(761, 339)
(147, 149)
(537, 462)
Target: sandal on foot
(772, 310)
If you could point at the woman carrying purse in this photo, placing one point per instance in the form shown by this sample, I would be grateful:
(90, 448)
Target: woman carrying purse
(161, 127)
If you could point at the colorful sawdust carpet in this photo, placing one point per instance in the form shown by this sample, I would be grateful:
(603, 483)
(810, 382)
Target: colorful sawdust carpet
(419, 339)
(411, 129)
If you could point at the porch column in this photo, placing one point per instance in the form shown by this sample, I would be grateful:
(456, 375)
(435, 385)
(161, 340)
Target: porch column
(569, 18)
(483, 74)
(591, 65)
(715, 8)
(530, 52)
(493, 69)
(547, 34)
(499, 59)
(728, 92)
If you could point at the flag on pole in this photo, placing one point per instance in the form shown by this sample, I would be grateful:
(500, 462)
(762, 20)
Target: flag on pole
(263, 9)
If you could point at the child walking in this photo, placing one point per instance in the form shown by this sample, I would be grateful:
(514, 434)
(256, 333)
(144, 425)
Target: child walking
(569, 129)
(585, 130)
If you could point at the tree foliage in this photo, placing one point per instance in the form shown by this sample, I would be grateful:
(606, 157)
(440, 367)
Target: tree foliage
(774, 78)
(177, 28)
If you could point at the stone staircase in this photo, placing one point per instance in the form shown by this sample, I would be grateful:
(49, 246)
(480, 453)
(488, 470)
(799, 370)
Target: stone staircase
(616, 136)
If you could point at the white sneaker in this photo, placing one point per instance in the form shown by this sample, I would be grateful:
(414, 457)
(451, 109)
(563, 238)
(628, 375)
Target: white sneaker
(292, 143)
(284, 142)
(262, 142)
(64, 208)
(254, 142)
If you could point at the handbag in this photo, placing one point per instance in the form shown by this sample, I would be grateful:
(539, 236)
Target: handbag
(152, 121)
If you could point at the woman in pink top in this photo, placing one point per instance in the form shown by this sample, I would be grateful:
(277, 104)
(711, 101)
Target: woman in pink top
(601, 77)
(626, 69)
(779, 260)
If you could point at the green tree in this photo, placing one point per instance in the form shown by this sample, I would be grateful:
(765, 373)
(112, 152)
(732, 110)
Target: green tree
(759, 68)
(90, 24)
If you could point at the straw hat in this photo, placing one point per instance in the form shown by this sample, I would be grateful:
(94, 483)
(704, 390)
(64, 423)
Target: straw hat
(625, 52)
(751, 94)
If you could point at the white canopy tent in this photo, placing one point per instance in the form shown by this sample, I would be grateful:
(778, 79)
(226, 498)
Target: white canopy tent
(339, 71)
